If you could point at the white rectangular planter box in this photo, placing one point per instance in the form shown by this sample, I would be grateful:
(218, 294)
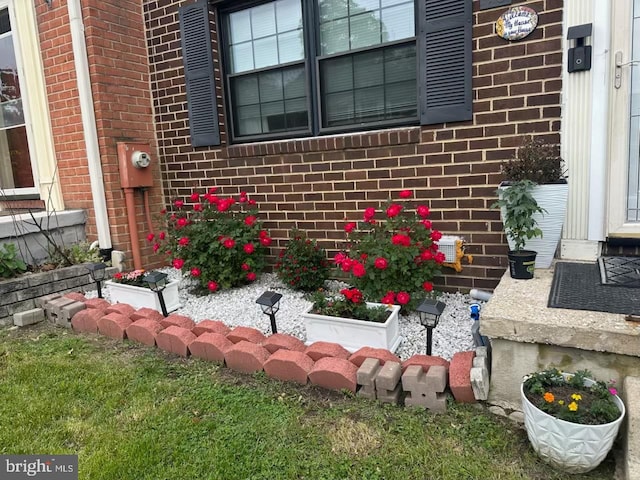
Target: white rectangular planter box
(139, 297)
(354, 334)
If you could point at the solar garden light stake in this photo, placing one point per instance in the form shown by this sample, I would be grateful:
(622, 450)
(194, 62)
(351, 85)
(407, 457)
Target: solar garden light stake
(430, 311)
(98, 272)
(157, 282)
(270, 304)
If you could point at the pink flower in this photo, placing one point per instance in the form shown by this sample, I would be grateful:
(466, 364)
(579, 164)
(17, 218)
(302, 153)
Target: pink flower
(427, 286)
(394, 210)
(248, 248)
(178, 203)
(182, 222)
(381, 263)
(161, 235)
(195, 272)
(229, 243)
(195, 197)
(156, 247)
(423, 211)
(150, 237)
(250, 220)
(183, 242)
(349, 227)
(436, 235)
(245, 267)
(369, 213)
(212, 286)
(358, 270)
(177, 263)
(613, 391)
(403, 298)
(197, 207)
(406, 194)
(251, 276)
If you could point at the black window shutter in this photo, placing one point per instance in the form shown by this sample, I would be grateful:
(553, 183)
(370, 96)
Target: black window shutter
(198, 71)
(444, 60)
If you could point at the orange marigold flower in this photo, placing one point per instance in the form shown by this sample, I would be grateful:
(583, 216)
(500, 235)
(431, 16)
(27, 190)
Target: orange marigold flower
(548, 397)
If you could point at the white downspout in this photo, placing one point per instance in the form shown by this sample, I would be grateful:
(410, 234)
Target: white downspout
(599, 120)
(89, 123)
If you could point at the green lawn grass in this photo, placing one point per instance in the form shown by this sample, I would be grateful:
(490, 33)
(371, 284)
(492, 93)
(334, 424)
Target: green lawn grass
(135, 413)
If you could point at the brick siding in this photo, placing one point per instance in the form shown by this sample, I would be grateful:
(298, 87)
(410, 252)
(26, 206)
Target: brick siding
(317, 183)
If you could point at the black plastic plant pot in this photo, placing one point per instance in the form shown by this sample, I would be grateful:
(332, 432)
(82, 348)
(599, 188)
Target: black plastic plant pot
(522, 263)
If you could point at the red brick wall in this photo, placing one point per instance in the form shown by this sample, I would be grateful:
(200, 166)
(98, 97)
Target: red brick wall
(119, 70)
(316, 183)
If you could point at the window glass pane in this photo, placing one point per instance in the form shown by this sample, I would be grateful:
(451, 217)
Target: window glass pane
(337, 75)
(389, 3)
(331, 9)
(248, 120)
(241, 57)
(397, 22)
(359, 6)
(271, 86)
(338, 109)
(11, 113)
(365, 30)
(263, 20)
(290, 46)
(369, 86)
(294, 83)
(259, 105)
(239, 27)
(266, 52)
(368, 69)
(15, 160)
(288, 15)
(245, 90)
(334, 37)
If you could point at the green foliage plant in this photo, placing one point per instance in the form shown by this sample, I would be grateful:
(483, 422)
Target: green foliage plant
(302, 265)
(392, 258)
(568, 398)
(77, 253)
(535, 161)
(519, 207)
(11, 265)
(348, 304)
(216, 240)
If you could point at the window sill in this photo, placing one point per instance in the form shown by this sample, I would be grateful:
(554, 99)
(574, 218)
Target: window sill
(378, 138)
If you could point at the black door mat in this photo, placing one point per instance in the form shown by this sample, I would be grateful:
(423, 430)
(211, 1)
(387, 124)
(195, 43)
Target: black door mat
(622, 271)
(577, 286)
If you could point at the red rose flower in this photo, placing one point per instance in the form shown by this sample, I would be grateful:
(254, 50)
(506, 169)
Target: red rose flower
(251, 276)
(229, 243)
(265, 241)
(183, 242)
(369, 213)
(406, 194)
(150, 237)
(212, 286)
(197, 207)
(252, 202)
(156, 247)
(250, 220)
(182, 222)
(436, 235)
(427, 286)
(339, 257)
(213, 189)
(248, 248)
(381, 263)
(403, 298)
(223, 205)
(426, 223)
(423, 211)
(263, 234)
(194, 197)
(177, 263)
(161, 235)
(245, 267)
(212, 199)
(195, 272)
(439, 257)
(394, 210)
(400, 239)
(358, 270)
(117, 276)
(426, 255)
(346, 265)
(356, 296)
(389, 298)
(178, 203)
(349, 227)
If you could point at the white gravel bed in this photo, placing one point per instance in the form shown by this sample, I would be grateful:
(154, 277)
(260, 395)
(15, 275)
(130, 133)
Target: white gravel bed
(237, 307)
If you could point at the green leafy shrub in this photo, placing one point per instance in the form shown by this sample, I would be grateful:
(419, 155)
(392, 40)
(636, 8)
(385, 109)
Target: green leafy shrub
(392, 260)
(11, 265)
(568, 398)
(302, 264)
(78, 253)
(219, 241)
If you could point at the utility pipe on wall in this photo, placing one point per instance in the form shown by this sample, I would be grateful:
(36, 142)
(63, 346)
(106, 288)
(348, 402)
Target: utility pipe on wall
(89, 123)
(130, 201)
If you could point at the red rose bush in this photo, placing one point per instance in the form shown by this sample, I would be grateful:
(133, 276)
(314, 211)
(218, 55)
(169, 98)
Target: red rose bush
(392, 256)
(218, 241)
